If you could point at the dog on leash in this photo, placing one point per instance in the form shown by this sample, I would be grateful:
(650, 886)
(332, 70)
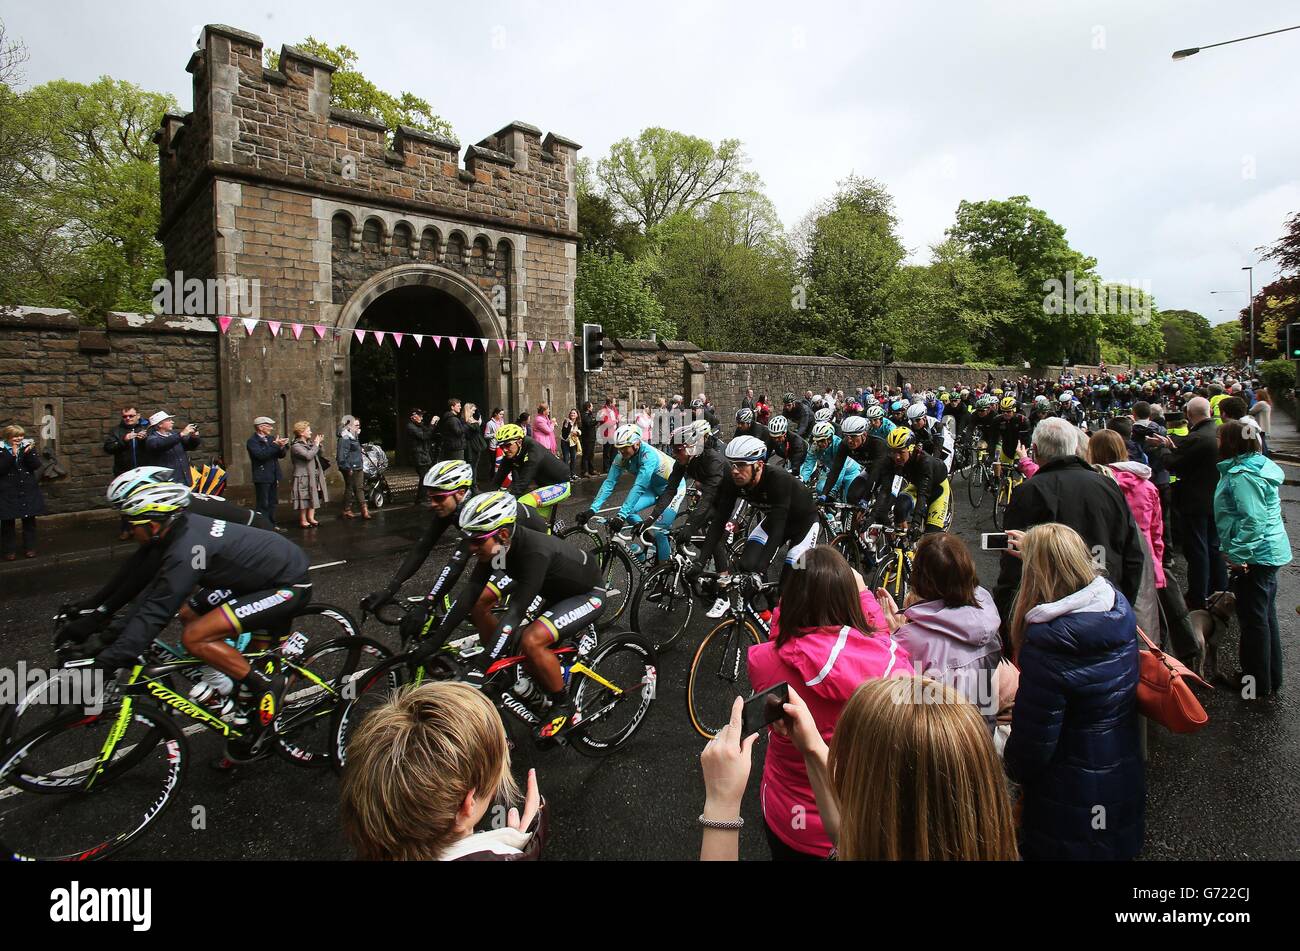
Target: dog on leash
(1210, 624)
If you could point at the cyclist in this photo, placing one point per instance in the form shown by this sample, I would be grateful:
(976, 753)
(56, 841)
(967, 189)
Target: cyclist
(235, 578)
(652, 470)
(786, 444)
(1068, 408)
(798, 413)
(825, 446)
(898, 412)
(448, 483)
(929, 433)
(747, 425)
(926, 490)
(696, 456)
(532, 472)
(788, 513)
(1010, 432)
(556, 591)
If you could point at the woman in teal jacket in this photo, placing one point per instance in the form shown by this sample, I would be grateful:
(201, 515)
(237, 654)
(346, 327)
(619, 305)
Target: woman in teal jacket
(1248, 516)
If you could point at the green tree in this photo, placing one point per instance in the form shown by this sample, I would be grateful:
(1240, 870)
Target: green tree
(661, 173)
(850, 260)
(1046, 321)
(1229, 342)
(612, 291)
(351, 90)
(1189, 338)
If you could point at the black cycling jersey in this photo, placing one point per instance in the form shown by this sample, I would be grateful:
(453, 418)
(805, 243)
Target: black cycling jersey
(786, 503)
(924, 472)
(865, 455)
(534, 466)
(1012, 430)
(708, 469)
(540, 566)
(214, 507)
(986, 426)
(792, 449)
(201, 551)
(800, 417)
(930, 442)
(758, 431)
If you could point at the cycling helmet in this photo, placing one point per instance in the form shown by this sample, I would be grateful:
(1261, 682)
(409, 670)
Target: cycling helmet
(693, 436)
(900, 438)
(788, 398)
(159, 502)
(509, 433)
(984, 402)
(945, 397)
(823, 430)
(915, 411)
(628, 434)
(449, 476)
(823, 414)
(744, 416)
(856, 425)
(897, 406)
(1065, 398)
(997, 391)
(778, 425)
(747, 449)
(871, 400)
(964, 392)
(133, 479)
(488, 513)
(1041, 400)
(1008, 404)
(697, 403)
(873, 413)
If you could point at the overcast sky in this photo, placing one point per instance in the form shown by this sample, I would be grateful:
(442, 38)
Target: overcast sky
(1167, 172)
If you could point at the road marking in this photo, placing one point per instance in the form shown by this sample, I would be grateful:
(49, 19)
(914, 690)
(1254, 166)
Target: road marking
(328, 564)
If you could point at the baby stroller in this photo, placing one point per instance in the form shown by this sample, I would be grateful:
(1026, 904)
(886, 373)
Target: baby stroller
(374, 462)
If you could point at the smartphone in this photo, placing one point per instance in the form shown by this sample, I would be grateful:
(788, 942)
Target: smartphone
(763, 708)
(995, 541)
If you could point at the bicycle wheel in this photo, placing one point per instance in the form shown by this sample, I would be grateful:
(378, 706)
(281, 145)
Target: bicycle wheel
(314, 686)
(719, 674)
(614, 694)
(663, 606)
(975, 484)
(366, 693)
(577, 535)
(846, 543)
(44, 815)
(620, 579)
(894, 574)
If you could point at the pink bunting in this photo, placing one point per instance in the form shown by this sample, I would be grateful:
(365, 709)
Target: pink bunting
(419, 339)
(501, 344)
(249, 323)
(454, 341)
(568, 345)
(297, 331)
(379, 336)
(275, 327)
(437, 340)
(320, 331)
(555, 346)
(360, 335)
(397, 338)
(514, 344)
(224, 323)
(528, 345)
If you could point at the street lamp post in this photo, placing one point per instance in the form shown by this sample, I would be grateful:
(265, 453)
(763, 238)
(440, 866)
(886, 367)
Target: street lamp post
(1192, 51)
(1251, 269)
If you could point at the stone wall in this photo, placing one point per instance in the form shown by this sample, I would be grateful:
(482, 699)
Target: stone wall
(51, 365)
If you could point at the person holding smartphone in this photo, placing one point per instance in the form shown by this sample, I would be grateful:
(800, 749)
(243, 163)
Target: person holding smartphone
(828, 636)
(20, 491)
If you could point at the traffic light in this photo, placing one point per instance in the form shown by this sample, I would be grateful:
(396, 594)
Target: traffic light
(886, 353)
(593, 348)
(1293, 341)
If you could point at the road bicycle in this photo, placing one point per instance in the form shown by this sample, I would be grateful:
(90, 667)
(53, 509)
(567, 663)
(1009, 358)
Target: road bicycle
(617, 566)
(1010, 481)
(87, 781)
(979, 476)
(719, 670)
(896, 550)
(612, 680)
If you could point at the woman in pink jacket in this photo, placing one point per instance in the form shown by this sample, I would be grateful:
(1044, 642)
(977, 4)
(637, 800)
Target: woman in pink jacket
(544, 428)
(1106, 448)
(828, 636)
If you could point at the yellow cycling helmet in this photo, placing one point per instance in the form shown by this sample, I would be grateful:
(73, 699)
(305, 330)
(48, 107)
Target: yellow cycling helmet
(488, 512)
(997, 391)
(1008, 404)
(509, 433)
(900, 437)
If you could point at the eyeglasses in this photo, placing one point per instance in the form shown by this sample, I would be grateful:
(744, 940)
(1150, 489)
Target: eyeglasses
(742, 465)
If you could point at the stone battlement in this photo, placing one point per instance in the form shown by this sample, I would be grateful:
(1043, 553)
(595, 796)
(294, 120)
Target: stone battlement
(276, 127)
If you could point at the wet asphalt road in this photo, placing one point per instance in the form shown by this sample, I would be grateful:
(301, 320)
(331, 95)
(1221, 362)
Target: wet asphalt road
(1225, 793)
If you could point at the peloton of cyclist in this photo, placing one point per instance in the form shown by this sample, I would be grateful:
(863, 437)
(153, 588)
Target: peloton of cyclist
(821, 454)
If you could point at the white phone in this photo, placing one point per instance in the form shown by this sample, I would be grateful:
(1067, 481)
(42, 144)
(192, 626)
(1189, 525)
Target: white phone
(995, 541)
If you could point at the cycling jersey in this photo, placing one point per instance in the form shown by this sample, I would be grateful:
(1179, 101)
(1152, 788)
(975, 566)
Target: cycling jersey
(1012, 430)
(708, 469)
(818, 463)
(217, 555)
(758, 431)
(788, 514)
(652, 470)
(534, 465)
(792, 449)
(541, 569)
(923, 472)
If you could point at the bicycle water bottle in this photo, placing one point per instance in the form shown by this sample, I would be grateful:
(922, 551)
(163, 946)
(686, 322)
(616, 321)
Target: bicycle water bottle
(213, 692)
(524, 688)
(637, 551)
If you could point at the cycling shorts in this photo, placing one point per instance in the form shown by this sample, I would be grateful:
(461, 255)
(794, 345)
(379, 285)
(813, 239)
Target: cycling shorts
(800, 540)
(939, 515)
(565, 617)
(545, 498)
(269, 610)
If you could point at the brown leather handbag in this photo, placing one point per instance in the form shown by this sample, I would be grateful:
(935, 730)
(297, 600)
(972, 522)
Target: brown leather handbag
(1164, 693)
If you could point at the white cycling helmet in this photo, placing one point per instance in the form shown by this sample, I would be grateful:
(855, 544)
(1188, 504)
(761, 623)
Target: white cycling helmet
(874, 412)
(870, 400)
(778, 425)
(161, 501)
(915, 411)
(488, 512)
(693, 436)
(130, 481)
(824, 414)
(449, 476)
(744, 415)
(855, 425)
(628, 434)
(1067, 396)
(747, 449)
(823, 430)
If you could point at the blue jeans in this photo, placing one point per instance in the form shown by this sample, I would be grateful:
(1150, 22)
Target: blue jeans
(1206, 572)
(1260, 649)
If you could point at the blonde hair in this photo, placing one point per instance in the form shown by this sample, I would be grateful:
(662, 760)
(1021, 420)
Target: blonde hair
(13, 432)
(301, 427)
(412, 762)
(914, 773)
(1106, 446)
(1056, 563)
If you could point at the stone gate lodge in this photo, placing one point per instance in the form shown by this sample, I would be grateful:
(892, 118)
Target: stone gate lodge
(320, 264)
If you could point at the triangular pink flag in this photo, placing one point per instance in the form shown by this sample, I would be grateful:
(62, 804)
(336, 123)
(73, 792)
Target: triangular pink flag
(555, 346)
(454, 341)
(437, 340)
(501, 344)
(514, 344)
(224, 323)
(528, 345)
(275, 327)
(397, 338)
(419, 339)
(249, 324)
(360, 335)
(379, 335)
(568, 345)
(297, 331)
(320, 331)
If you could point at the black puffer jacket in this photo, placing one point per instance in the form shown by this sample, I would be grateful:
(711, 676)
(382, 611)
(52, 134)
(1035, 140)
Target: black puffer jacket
(20, 493)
